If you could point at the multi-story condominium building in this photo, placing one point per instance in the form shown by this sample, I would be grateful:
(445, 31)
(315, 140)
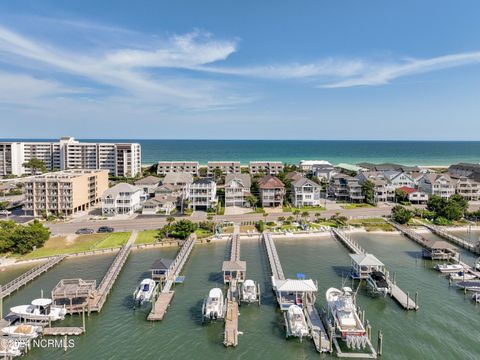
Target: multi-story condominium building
(122, 199)
(203, 194)
(467, 188)
(272, 191)
(120, 159)
(464, 169)
(179, 180)
(165, 167)
(237, 189)
(346, 188)
(227, 167)
(148, 184)
(266, 167)
(437, 184)
(384, 191)
(388, 167)
(305, 193)
(64, 192)
(308, 165)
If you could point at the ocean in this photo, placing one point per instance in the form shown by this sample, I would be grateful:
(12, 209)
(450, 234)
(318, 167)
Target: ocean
(292, 151)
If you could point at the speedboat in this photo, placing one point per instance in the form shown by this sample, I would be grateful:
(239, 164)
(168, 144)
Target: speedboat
(214, 306)
(470, 285)
(448, 268)
(250, 292)
(145, 290)
(344, 317)
(22, 331)
(296, 322)
(476, 297)
(40, 310)
(461, 275)
(378, 282)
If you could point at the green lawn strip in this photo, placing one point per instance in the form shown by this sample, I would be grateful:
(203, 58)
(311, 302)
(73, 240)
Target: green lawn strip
(113, 240)
(202, 233)
(147, 237)
(356, 206)
(303, 208)
(57, 245)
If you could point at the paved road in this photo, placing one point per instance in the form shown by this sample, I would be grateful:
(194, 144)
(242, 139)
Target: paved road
(155, 222)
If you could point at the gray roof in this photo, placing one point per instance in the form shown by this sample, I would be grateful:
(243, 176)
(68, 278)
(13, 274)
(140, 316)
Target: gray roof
(304, 181)
(366, 260)
(149, 180)
(178, 177)
(161, 264)
(244, 179)
(119, 188)
(234, 265)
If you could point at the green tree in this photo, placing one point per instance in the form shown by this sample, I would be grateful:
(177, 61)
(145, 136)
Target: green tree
(260, 226)
(170, 219)
(401, 196)
(35, 165)
(368, 191)
(3, 205)
(281, 219)
(401, 214)
(305, 215)
(296, 213)
(252, 200)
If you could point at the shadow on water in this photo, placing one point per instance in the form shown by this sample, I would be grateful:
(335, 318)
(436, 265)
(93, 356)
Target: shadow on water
(342, 271)
(414, 254)
(196, 312)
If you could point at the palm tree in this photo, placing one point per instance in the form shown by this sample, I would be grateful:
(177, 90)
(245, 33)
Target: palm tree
(170, 219)
(281, 219)
(296, 212)
(305, 214)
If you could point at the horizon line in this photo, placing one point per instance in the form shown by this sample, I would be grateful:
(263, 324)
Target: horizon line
(207, 139)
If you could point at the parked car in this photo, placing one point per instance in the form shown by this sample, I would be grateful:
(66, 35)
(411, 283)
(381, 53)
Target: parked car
(105, 229)
(84, 231)
(5, 212)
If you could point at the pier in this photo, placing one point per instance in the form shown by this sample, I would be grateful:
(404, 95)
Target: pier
(301, 289)
(437, 230)
(163, 300)
(29, 275)
(395, 291)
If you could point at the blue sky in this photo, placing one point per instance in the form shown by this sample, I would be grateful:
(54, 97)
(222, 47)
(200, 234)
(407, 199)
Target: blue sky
(240, 70)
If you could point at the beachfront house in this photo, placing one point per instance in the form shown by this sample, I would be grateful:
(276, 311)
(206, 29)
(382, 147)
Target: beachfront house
(346, 188)
(203, 194)
(469, 189)
(323, 172)
(437, 184)
(307, 166)
(272, 191)
(398, 179)
(226, 167)
(265, 167)
(122, 199)
(148, 184)
(383, 190)
(464, 170)
(305, 192)
(165, 167)
(237, 189)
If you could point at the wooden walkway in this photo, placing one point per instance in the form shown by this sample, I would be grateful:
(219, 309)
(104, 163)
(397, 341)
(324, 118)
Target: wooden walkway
(30, 275)
(62, 331)
(412, 235)
(235, 248)
(351, 245)
(113, 271)
(273, 259)
(162, 303)
(231, 321)
(474, 248)
(317, 330)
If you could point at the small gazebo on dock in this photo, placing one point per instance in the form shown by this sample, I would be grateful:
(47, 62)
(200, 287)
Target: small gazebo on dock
(161, 269)
(234, 270)
(440, 250)
(294, 292)
(75, 294)
(364, 264)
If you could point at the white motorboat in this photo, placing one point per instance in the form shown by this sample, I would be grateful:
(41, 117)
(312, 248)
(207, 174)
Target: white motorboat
(470, 285)
(11, 349)
(145, 291)
(343, 315)
(214, 305)
(22, 331)
(448, 268)
(461, 275)
(296, 323)
(250, 292)
(40, 310)
(378, 282)
(476, 297)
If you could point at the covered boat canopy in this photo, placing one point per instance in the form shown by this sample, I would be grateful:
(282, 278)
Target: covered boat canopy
(364, 264)
(366, 260)
(295, 285)
(215, 293)
(238, 265)
(42, 302)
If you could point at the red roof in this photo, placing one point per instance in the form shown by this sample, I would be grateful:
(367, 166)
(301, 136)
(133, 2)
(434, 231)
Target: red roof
(407, 189)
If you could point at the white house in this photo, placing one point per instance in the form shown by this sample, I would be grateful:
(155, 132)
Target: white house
(148, 184)
(398, 179)
(415, 196)
(308, 165)
(437, 184)
(159, 204)
(305, 193)
(237, 189)
(203, 194)
(122, 199)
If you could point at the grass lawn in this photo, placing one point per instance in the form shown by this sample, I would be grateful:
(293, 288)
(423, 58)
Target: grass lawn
(202, 233)
(356, 206)
(304, 208)
(147, 237)
(113, 240)
(372, 224)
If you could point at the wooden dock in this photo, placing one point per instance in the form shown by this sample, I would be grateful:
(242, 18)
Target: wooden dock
(112, 274)
(63, 331)
(231, 321)
(474, 248)
(273, 259)
(162, 302)
(395, 291)
(29, 275)
(412, 235)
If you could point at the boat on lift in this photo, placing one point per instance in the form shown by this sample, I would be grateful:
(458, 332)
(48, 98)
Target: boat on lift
(461, 275)
(295, 322)
(41, 310)
(476, 297)
(250, 292)
(22, 331)
(344, 318)
(470, 285)
(145, 291)
(449, 268)
(378, 282)
(214, 306)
